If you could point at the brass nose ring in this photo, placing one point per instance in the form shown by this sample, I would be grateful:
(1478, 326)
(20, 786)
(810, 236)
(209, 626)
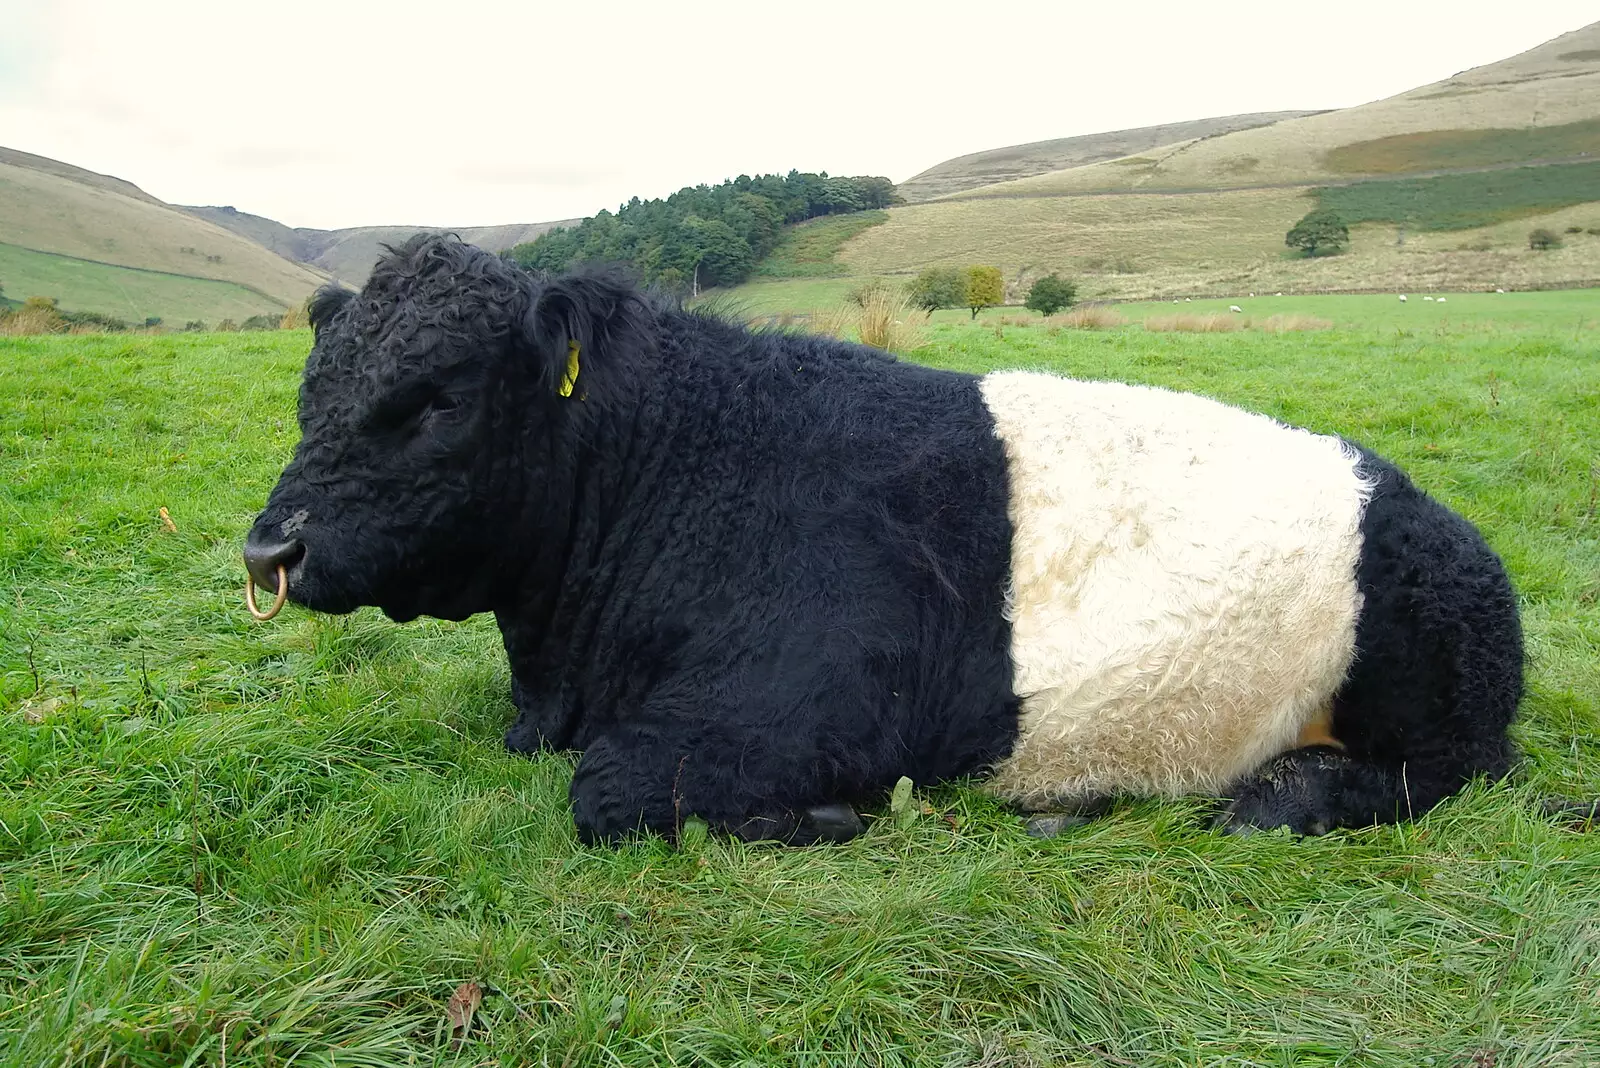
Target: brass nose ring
(277, 602)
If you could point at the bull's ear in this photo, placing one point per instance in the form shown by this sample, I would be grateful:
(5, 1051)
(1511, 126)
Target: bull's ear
(583, 329)
(325, 303)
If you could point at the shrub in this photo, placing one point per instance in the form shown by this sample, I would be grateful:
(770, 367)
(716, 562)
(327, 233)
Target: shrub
(984, 288)
(194, 326)
(93, 323)
(1095, 318)
(1574, 229)
(261, 322)
(938, 287)
(228, 325)
(1050, 294)
(1542, 240)
(1319, 233)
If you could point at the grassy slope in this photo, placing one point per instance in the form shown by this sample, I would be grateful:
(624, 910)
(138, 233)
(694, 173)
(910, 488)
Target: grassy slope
(294, 840)
(124, 292)
(1542, 86)
(810, 249)
(1039, 157)
(49, 213)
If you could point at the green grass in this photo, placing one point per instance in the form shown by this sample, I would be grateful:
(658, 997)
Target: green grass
(1441, 149)
(1575, 312)
(126, 292)
(807, 249)
(288, 843)
(1463, 201)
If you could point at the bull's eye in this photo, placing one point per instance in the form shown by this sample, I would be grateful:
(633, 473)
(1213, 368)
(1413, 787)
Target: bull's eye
(406, 409)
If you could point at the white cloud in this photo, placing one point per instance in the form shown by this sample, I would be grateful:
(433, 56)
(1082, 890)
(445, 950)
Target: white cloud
(340, 114)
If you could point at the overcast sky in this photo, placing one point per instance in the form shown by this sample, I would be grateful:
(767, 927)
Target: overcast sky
(333, 114)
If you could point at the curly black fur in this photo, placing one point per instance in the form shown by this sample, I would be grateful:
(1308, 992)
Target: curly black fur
(751, 574)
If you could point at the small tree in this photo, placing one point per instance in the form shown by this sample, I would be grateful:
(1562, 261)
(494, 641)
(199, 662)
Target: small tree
(938, 287)
(1542, 240)
(1050, 294)
(985, 288)
(1319, 233)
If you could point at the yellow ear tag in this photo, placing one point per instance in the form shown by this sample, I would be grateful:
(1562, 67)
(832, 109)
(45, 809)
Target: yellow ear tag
(570, 379)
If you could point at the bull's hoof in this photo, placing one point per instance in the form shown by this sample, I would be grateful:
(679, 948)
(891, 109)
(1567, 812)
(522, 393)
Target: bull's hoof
(828, 823)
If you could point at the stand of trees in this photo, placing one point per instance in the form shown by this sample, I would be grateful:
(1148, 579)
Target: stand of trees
(705, 235)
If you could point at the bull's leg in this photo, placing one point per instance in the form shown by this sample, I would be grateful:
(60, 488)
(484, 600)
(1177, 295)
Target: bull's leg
(640, 777)
(544, 721)
(1316, 788)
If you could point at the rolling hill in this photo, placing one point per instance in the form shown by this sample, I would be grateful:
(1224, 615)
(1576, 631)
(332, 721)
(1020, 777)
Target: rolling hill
(1444, 183)
(349, 254)
(98, 243)
(1040, 157)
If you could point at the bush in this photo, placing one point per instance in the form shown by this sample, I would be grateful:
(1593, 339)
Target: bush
(194, 326)
(1050, 294)
(228, 325)
(1319, 233)
(938, 287)
(94, 323)
(1542, 240)
(261, 322)
(984, 288)
(1574, 229)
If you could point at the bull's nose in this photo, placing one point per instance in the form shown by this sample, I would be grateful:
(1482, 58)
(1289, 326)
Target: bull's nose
(262, 560)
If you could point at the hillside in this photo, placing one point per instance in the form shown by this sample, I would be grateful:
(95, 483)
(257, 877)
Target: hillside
(53, 215)
(349, 254)
(1040, 157)
(1539, 105)
(1442, 184)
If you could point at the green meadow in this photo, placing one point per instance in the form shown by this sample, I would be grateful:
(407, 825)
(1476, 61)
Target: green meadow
(224, 842)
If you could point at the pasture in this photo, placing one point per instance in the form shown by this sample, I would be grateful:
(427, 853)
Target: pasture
(264, 844)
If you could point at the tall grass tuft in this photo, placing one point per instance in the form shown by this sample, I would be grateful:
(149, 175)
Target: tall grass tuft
(1087, 318)
(1284, 324)
(876, 315)
(1196, 324)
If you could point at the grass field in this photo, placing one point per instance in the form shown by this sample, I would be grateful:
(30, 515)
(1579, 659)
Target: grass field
(224, 842)
(1441, 149)
(124, 292)
(1465, 201)
(1142, 246)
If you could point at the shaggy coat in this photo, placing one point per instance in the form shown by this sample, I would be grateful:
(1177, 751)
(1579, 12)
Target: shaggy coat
(755, 576)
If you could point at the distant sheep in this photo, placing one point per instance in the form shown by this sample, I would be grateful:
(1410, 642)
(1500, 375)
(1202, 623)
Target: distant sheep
(1235, 308)
(1441, 300)
(1402, 298)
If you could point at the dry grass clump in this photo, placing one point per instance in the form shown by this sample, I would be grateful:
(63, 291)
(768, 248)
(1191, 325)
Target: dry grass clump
(1196, 324)
(1089, 318)
(38, 315)
(1284, 324)
(879, 316)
